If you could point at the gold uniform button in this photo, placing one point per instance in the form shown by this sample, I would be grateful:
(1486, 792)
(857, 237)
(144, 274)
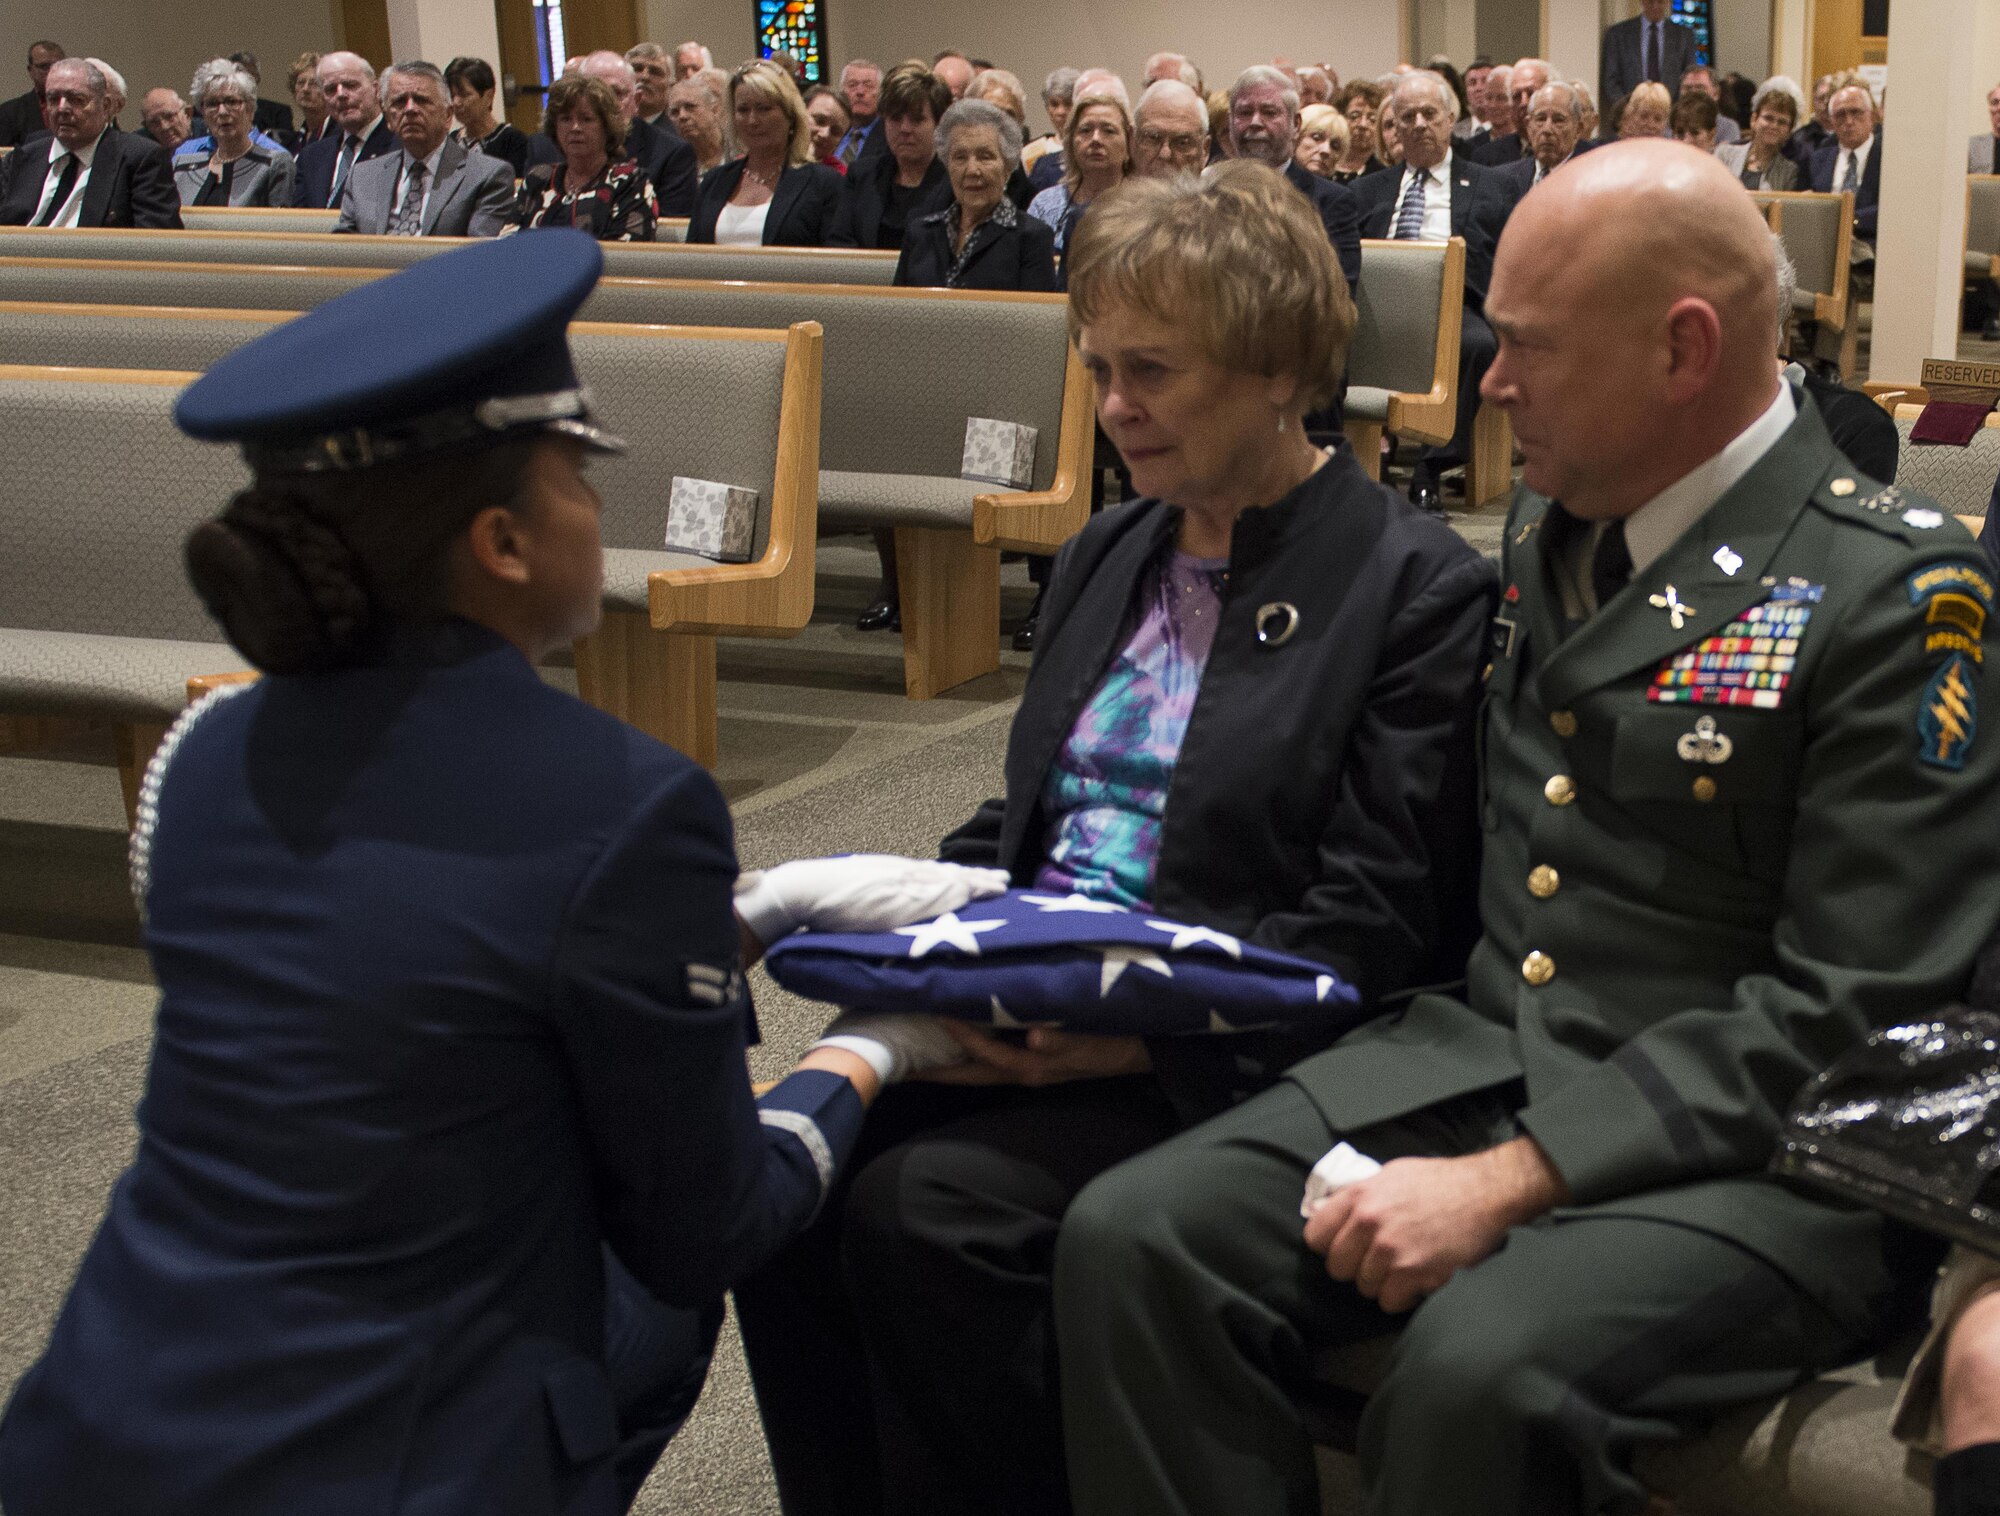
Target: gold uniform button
(1559, 790)
(1704, 789)
(1543, 881)
(1538, 968)
(1842, 487)
(1564, 722)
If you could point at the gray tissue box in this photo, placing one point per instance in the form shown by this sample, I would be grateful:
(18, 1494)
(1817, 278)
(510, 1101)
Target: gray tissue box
(999, 452)
(718, 521)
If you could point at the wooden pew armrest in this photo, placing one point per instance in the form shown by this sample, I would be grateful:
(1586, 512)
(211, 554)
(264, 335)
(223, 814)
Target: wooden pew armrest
(203, 685)
(1040, 521)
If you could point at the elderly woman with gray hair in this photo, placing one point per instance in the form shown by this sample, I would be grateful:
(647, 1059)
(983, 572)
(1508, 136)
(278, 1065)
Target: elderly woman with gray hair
(1178, 751)
(979, 241)
(230, 166)
(1043, 157)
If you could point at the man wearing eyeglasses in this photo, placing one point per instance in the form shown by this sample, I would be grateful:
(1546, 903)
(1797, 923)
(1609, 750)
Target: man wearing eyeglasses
(1170, 131)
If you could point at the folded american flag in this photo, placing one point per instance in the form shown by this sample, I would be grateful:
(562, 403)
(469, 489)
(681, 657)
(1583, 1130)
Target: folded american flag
(1029, 958)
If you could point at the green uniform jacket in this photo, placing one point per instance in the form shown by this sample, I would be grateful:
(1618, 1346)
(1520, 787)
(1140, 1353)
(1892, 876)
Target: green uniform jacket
(1685, 921)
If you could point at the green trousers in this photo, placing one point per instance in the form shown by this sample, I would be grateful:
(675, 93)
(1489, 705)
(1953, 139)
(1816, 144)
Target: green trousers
(1190, 1317)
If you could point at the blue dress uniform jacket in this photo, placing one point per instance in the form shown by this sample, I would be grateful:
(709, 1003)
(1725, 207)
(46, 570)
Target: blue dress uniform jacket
(1322, 801)
(450, 1000)
(1692, 906)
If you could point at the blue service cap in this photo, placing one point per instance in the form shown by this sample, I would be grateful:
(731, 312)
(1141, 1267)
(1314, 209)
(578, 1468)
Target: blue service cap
(457, 347)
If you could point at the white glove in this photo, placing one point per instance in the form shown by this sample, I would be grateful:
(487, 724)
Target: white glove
(863, 892)
(1341, 1166)
(896, 1047)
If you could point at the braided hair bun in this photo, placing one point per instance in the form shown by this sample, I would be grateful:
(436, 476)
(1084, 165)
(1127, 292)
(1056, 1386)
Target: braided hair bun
(283, 582)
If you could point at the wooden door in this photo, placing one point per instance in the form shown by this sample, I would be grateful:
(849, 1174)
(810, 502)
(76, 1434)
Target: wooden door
(364, 28)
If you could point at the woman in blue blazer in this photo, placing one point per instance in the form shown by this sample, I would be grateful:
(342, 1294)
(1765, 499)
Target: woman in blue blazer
(447, 1151)
(774, 195)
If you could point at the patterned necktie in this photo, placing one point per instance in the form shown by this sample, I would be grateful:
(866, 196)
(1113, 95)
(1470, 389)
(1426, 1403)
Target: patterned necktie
(409, 219)
(65, 185)
(1653, 51)
(1851, 180)
(348, 149)
(1410, 219)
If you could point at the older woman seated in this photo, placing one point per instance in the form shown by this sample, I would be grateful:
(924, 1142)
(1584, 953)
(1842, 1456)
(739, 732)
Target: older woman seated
(1361, 103)
(774, 195)
(888, 191)
(1322, 140)
(979, 241)
(1645, 112)
(595, 188)
(1694, 121)
(1251, 709)
(1097, 154)
(1760, 160)
(694, 106)
(230, 165)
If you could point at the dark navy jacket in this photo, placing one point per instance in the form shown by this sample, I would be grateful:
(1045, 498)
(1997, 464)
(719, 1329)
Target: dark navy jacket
(1324, 798)
(804, 204)
(449, 1001)
(312, 184)
(1481, 201)
(1867, 196)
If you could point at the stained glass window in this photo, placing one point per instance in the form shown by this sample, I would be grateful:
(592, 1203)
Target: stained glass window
(550, 43)
(1699, 16)
(797, 27)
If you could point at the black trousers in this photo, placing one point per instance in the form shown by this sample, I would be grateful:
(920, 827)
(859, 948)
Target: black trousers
(1477, 348)
(902, 1349)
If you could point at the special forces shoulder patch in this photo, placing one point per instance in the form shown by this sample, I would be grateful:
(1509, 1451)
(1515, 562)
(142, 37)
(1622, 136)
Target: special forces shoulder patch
(1750, 661)
(1954, 600)
(1948, 718)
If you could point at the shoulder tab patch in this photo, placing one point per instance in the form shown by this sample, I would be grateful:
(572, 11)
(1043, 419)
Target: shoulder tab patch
(1955, 599)
(1948, 716)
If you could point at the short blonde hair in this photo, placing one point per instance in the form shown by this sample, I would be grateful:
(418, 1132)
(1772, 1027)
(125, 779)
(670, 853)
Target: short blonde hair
(1325, 118)
(1238, 260)
(1072, 174)
(769, 81)
(1650, 95)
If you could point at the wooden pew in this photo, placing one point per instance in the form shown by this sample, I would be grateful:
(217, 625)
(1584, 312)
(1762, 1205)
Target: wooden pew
(1818, 232)
(660, 259)
(1402, 368)
(689, 400)
(905, 369)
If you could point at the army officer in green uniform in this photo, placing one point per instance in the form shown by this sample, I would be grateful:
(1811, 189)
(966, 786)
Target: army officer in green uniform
(1738, 811)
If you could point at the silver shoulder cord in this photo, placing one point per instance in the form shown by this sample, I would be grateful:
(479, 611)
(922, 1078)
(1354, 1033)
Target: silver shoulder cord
(139, 853)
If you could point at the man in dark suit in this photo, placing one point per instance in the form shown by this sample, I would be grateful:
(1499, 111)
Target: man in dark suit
(1647, 47)
(1512, 146)
(1982, 153)
(1554, 123)
(353, 105)
(432, 186)
(85, 174)
(21, 117)
(1852, 158)
(274, 117)
(658, 149)
(1263, 124)
(1436, 195)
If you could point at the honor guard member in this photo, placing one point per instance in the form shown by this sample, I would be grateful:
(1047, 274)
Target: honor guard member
(1737, 814)
(448, 1150)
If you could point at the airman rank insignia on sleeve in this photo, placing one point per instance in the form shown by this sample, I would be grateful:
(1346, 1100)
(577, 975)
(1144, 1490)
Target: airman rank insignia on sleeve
(1948, 716)
(1750, 661)
(1954, 599)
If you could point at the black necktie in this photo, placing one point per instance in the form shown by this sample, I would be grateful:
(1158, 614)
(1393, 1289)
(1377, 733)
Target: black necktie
(348, 149)
(67, 182)
(1653, 51)
(1610, 564)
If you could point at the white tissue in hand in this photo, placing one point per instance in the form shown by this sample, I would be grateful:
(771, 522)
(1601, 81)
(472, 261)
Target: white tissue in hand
(1341, 1167)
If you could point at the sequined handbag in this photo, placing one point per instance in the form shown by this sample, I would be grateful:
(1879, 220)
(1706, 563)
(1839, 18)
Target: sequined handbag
(1909, 1123)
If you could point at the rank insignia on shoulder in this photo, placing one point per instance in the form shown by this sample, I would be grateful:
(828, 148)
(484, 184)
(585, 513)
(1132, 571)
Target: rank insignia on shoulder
(711, 985)
(1948, 715)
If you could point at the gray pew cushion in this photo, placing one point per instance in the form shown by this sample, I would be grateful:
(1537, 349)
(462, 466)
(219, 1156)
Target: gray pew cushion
(1810, 230)
(899, 499)
(1959, 478)
(626, 571)
(110, 678)
(103, 490)
(1365, 403)
(275, 289)
(1396, 320)
(1982, 215)
(190, 343)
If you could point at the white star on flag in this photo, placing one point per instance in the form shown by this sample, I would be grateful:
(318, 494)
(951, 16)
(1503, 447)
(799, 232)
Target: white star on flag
(1118, 959)
(947, 931)
(1050, 905)
(1186, 937)
(1001, 1017)
(1322, 985)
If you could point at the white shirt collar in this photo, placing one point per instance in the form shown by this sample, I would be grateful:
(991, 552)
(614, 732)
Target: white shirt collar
(1661, 521)
(431, 162)
(364, 134)
(1438, 173)
(84, 155)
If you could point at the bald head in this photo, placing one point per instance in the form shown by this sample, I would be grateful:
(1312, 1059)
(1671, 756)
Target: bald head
(617, 73)
(1646, 348)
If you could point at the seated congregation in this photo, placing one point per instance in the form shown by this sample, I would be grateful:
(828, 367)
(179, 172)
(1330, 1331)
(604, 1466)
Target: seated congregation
(1594, 855)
